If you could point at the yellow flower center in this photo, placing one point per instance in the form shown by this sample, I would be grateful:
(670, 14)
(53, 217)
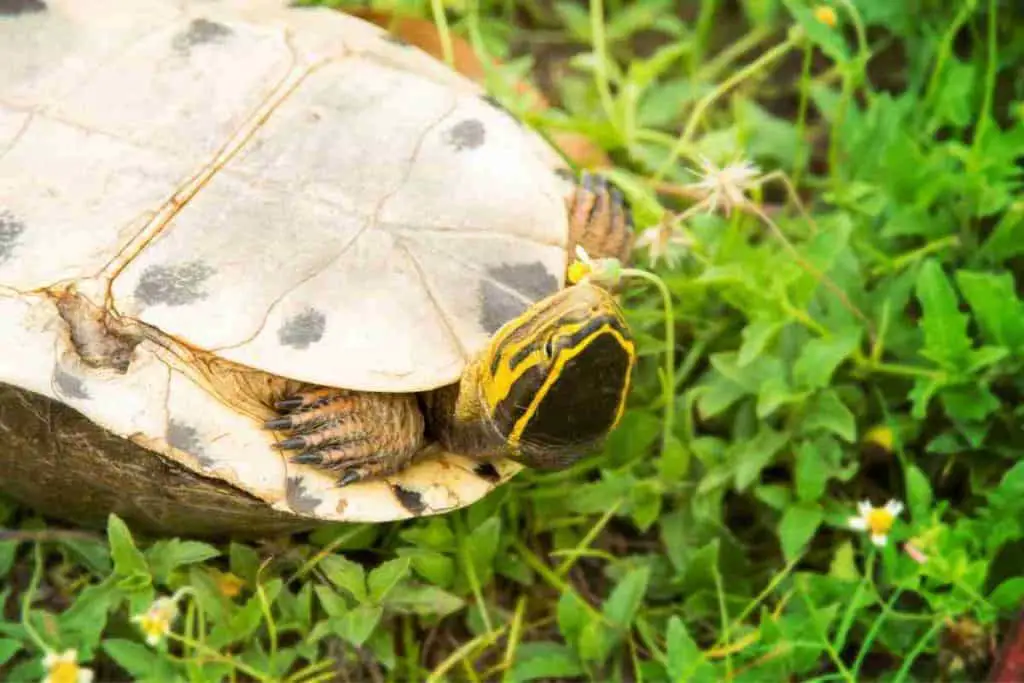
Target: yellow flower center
(880, 521)
(64, 672)
(155, 624)
(577, 271)
(826, 15)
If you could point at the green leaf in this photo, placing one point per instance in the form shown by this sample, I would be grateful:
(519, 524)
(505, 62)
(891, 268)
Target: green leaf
(345, 574)
(127, 558)
(1008, 594)
(138, 660)
(827, 412)
(993, 300)
(546, 660)
(844, 563)
(481, 545)
(945, 327)
(386, 577)
(8, 648)
(684, 660)
(423, 600)
(825, 37)
(1007, 239)
(919, 492)
(968, 402)
(754, 455)
(811, 473)
(797, 527)
(8, 550)
(627, 596)
(333, 604)
(595, 642)
(244, 562)
(756, 338)
(166, 556)
(674, 462)
(819, 358)
(356, 626)
(572, 616)
(435, 567)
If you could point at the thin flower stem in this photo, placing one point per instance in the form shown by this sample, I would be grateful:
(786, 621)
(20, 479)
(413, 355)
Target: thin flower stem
(206, 651)
(585, 542)
(668, 381)
(683, 141)
(30, 594)
(483, 640)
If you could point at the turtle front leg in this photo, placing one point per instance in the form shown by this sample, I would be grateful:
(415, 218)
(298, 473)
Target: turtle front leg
(599, 219)
(359, 434)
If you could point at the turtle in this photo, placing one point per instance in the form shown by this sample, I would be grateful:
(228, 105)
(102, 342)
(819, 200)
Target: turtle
(264, 267)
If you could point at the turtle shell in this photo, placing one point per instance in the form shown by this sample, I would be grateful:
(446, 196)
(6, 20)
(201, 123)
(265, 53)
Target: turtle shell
(248, 196)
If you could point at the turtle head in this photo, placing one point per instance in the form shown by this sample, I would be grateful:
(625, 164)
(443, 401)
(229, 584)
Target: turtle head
(554, 381)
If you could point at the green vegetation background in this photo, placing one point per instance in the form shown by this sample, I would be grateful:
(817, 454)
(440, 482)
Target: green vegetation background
(853, 330)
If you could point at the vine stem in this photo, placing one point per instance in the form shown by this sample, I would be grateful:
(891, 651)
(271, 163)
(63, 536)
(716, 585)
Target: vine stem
(668, 382)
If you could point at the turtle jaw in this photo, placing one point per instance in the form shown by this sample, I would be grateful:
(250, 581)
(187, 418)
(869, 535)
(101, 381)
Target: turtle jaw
(553, 382)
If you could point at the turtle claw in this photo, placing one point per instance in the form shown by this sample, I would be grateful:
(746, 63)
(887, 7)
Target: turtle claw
(350, 476)
(361, 435)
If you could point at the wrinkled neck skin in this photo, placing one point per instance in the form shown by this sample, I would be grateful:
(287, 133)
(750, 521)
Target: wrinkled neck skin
(457, 418)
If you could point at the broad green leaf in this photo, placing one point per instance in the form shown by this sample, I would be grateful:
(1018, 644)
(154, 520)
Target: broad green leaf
(827, 412)
(572, 616)
(627, 596)
(944, 326)
(545, 660)
(433, 533)
(968, 402)
(825, 37)
(137, 659)
(386, 577)
(752, 456)
(993, 300)
(333, 604)
(819, 358)
(775, 393)
(1007, 239)
(127, 558)
(1008, 594)
(423, 600)
(166, 556)
(812, 472)
(797, 527)
(345, 574)
(435, 567)
(756, 338)
(356, 626)
(87, 616)
(674, 462)
(244, 562)
(481, 545)
(595, 641)
(8, 550)
(684, 660)
(844, 563)
(8, 648)
(919, 492)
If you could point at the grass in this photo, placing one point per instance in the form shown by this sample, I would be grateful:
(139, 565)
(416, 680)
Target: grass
(850, 329)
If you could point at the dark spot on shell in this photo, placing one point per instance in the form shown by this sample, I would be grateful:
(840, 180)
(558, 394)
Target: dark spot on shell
(186, 438)
(10, 230)
(303, 329)
(200, 32)
(468, 134)
(410, 500)
(299, 499)
(69, 385)
(15, 7)
(486, 470)
(498, 306)
(173, 285)
(395, 39)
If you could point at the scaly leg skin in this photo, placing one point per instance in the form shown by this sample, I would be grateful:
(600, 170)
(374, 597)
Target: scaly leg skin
(359, 434)
(599, 219)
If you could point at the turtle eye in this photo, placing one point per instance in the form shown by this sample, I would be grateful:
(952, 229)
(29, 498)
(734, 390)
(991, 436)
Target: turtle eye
(549, 348)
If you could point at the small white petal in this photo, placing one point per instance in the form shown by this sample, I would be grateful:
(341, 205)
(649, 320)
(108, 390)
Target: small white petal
(858, 523)
(879, 539)
(582, 254)
(50, 659)
(85, 676)
(894, 507)
(152, 639)
(865, 507)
